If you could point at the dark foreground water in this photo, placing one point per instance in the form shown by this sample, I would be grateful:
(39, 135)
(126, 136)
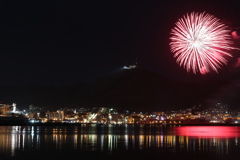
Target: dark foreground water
(120, 142)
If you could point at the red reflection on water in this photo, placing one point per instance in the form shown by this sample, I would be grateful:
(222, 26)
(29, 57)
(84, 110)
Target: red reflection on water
(208, 131)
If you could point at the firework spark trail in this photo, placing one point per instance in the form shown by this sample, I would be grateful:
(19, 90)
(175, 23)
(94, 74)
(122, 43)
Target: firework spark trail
(200, 43)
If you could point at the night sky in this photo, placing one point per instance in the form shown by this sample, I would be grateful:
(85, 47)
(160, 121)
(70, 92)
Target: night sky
(66, 42)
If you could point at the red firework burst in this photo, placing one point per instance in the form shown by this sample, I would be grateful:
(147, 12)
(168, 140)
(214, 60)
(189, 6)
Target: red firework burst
(200, 43)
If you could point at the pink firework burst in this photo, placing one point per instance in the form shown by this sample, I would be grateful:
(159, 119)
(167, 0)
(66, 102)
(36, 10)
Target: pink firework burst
(200, 43)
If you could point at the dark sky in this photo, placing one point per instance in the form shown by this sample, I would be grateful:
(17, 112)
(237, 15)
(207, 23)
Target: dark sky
(64, 42)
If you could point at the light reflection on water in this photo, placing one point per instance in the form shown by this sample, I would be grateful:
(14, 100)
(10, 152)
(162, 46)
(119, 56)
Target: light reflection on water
(107, 139)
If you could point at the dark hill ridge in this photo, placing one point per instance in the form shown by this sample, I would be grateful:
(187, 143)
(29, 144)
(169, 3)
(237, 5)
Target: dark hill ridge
(144, 90)
(130, 88)
(135, 89)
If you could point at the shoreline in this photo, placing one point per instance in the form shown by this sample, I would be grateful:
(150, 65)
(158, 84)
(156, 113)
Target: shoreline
(115, 125)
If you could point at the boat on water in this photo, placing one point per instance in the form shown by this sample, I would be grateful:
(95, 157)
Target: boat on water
(13, 117)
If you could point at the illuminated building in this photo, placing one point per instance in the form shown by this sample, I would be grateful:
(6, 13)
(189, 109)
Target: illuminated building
(4, 108)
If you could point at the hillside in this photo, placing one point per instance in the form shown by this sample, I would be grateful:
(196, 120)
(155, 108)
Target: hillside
(136, 89)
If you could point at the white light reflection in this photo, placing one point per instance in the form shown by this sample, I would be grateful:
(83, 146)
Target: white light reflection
(126, 141)
(102, 142)
(92, 141)
(75, 141)
(110, 142)
(13, 144)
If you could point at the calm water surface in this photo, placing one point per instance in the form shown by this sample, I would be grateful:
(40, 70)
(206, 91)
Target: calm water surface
(120, 142)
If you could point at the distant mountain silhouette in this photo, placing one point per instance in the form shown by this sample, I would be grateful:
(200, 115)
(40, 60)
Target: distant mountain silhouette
(136, 89)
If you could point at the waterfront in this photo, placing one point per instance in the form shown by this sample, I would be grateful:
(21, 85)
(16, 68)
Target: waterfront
(119, 142)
